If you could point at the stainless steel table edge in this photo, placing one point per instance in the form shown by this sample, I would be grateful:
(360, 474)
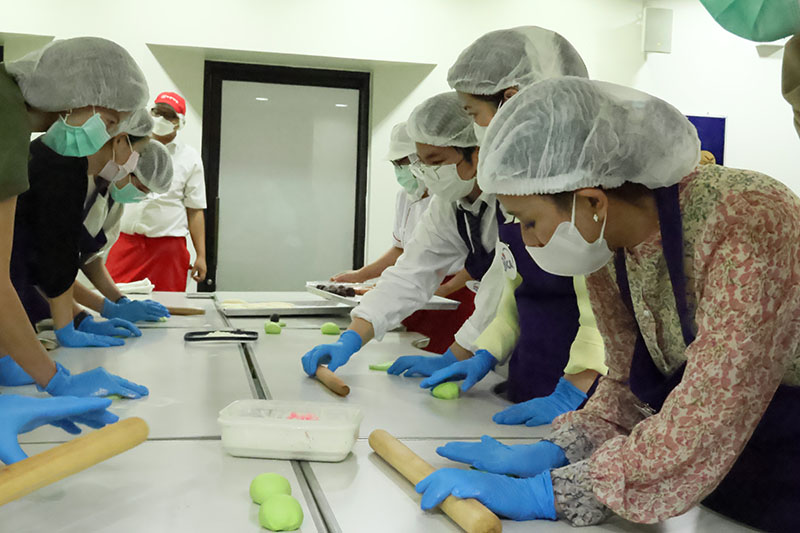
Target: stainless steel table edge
(258, 386)
(320, 501)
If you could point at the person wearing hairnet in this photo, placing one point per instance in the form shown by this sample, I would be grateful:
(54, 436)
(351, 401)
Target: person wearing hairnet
(545, 320)
(152, 244)
(58, 227)
(411, 203)
(459, 225)
(103, 210)
(78, 91)
(693, 274)
(153, 174)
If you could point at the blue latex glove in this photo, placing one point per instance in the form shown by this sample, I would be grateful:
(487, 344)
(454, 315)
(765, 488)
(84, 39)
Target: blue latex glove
(335, 354)
(23, 413)
(566, 397)
(12, 375)
(421, 365)
(471, 370)
(96, 382)
(70, 338)
(518, 499)
(489, 455)
(113, 327)
(134, 310)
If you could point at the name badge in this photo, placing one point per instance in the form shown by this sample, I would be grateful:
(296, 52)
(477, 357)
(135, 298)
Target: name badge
(507, 259)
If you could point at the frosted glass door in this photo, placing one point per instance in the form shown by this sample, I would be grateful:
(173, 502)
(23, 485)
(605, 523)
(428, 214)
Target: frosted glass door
(287, 184)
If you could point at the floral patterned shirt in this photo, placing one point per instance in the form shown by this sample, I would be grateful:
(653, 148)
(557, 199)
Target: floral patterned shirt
(742, 265)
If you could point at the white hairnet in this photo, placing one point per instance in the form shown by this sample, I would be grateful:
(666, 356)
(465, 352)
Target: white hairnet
(139, 123)
(154, 169)
(563, 134)
(516, 57)
(442, 121)
(84, 71)
(400, 144)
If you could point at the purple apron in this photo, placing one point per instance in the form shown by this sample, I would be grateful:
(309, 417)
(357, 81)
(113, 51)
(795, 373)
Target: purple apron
(548, 322)
(479, 259)
(762, 489)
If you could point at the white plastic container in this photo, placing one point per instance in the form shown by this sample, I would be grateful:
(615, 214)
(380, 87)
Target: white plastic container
(273, 429)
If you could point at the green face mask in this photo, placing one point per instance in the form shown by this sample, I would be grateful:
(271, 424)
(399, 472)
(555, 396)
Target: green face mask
(756, 20)
(77, 141)
(408, 181)
(129, 194)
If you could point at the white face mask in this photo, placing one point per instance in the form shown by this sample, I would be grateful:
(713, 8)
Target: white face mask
(113, 172)
(444, 181)
(568, 254)
(162, 127)
(480, 132)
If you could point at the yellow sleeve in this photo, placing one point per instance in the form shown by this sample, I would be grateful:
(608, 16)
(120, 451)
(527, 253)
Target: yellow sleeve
(501, 335)
(587, 351)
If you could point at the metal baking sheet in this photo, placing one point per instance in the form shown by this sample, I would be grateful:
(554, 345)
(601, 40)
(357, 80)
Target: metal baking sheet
(436, 303)
(300, 308)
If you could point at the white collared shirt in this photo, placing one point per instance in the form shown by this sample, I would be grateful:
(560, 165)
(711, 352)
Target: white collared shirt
(165, 215)
(428, 257)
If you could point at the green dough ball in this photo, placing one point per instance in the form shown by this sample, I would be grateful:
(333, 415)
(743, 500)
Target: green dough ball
(282, 324)
(381, 367)
(280, 512)
(446, 391)
(162, 319)
(272, 328)
(266, 485)
(114, 397)
(329, 328)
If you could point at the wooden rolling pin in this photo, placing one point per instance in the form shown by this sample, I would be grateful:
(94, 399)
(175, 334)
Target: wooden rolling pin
(332, 381)
(470, 514)
(35, 472)
(186, 311)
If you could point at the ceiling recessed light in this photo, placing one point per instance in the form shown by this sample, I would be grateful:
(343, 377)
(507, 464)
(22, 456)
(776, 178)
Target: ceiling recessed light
(341, 105)
(262, 99)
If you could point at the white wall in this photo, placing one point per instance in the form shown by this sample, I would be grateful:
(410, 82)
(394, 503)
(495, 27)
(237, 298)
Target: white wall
(430, 32)
(713, 72)
(400, 42)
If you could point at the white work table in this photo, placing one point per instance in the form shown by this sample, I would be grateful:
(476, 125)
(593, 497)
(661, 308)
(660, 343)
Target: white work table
(364, 493)
(394, 403)
(189, 382)
(165, 486)
(183, 481)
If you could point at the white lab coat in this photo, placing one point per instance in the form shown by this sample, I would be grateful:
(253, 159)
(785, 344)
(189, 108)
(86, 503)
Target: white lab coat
(427, 258)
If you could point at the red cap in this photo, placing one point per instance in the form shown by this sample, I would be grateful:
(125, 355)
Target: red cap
(174, 100)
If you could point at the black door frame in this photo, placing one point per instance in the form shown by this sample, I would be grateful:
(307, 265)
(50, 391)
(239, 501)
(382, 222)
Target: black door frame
(215, 73)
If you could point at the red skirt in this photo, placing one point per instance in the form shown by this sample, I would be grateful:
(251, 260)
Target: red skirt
(163, 260)
(441, 326)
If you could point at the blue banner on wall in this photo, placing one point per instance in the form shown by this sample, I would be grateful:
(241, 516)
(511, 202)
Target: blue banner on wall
(711, 131)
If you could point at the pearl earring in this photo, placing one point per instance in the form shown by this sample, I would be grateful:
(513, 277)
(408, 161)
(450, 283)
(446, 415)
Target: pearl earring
(596, 218)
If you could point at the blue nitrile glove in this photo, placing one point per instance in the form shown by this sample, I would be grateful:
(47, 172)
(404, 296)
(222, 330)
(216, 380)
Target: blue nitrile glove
(134, 310)
(421, 365)
(95, 382)
(12, 375)
(489, 455)
(23, 413)
(112, 327)
(471, 370)
(70, 338)
(519, 499)
(335, 354)
(567, 397)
